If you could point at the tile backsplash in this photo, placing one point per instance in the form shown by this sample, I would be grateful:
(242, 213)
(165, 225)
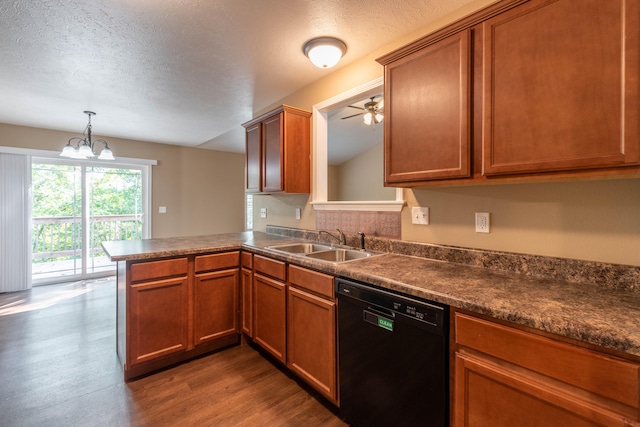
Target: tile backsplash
(372, 223)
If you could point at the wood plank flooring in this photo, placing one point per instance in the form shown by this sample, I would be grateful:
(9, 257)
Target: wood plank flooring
(58, 367)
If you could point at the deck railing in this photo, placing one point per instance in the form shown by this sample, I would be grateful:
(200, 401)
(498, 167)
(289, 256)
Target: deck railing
(61, 236)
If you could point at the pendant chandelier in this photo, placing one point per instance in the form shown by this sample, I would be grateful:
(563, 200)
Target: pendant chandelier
(84, 147)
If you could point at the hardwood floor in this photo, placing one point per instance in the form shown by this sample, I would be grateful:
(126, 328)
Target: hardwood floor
(58, 367)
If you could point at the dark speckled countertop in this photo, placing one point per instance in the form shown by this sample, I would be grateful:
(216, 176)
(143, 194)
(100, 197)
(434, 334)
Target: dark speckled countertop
(598, 315)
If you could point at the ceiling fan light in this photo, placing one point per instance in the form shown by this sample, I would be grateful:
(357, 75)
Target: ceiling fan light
(368, 118)
(379, 117)
(324, 52)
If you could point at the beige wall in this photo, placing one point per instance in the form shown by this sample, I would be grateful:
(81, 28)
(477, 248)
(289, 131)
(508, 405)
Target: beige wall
(362, 177)
(333, 182)
(202, 189)
(590, 220)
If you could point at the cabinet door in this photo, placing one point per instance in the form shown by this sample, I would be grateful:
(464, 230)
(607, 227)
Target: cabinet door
(215, 305)
(247, 302)
(540, 381)
(254, 159)
(296, 137)
(272, 154)
(159, 323)
(311, 335)
(561, 86)
(269, 304)
(427, 127)
(487, 394)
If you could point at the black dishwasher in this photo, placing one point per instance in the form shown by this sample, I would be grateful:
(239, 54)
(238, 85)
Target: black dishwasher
(393, 358)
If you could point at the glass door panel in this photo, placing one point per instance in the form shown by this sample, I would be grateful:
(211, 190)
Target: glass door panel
(57, 220)
(115, 211)
(75, 208)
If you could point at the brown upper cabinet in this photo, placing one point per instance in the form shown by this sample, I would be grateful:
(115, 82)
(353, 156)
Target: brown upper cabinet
(519, 90)
(561, 87)
(427, 112)
(278, 152)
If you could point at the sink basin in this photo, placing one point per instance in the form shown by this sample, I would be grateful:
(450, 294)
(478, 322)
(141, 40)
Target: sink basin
(340, 255)
(301, 248)
(322, 252)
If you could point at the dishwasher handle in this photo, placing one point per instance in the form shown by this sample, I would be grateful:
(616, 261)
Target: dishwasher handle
(378, 320)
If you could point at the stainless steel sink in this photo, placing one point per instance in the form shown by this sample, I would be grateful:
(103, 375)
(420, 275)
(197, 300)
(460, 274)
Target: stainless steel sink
(340, 255)
(301, 248)
(321, 252)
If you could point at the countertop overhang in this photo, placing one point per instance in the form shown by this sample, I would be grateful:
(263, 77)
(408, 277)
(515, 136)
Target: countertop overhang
(604, 317)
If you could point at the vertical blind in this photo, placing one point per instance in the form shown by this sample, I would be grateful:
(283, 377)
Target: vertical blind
(15, 222)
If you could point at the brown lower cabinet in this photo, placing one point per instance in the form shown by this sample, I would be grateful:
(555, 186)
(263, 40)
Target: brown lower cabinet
(215, 304)
(171, 310)
(158, 303)
(270, 306)
(246, 294)
(311, 330)
(294, 319)
(504, 376)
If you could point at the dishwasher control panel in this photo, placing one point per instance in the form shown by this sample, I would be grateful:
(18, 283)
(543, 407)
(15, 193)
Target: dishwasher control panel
(424, 311)
(425, 314)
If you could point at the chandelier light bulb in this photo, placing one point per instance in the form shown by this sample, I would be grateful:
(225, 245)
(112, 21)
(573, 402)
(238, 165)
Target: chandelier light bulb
(68, 151)
(84, 151)
(106, 154)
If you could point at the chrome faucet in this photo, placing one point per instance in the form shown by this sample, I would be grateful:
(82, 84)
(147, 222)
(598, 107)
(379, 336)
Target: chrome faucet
(340, 237)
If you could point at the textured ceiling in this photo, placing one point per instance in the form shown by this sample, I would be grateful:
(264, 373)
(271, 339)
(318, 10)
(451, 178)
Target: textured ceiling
(178, 71)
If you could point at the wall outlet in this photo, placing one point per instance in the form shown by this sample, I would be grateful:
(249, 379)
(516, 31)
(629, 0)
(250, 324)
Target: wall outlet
(420, 216)
(263, 212)
(162, 209)
(482, 222)
(298, 213)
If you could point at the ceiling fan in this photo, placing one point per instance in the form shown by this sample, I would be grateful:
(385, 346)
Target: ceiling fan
(372, 111)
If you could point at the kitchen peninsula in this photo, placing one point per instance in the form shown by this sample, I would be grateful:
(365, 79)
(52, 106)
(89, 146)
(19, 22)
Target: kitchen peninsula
(590, 307)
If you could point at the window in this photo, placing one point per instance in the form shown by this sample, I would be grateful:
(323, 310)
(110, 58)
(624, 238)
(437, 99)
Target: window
(249, 209)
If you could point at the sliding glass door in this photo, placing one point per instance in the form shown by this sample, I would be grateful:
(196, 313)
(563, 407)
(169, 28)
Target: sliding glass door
(77, 206)
(115, 211)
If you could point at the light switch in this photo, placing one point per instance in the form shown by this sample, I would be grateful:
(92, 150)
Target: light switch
(162, 209)
(420, 216)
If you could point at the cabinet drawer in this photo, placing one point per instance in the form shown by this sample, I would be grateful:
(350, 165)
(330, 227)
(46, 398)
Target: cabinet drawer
(270, 267)
(247, 260)
(217, 261)
(598, 373)
(319, 283)
(159, 269)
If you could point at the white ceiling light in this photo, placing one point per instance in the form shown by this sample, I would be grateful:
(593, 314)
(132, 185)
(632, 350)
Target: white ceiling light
(324, 52)
(84, 146)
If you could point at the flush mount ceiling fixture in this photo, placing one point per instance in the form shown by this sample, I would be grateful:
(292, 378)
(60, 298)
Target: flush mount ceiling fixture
(324, 52)
(84, 147)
